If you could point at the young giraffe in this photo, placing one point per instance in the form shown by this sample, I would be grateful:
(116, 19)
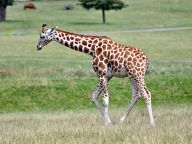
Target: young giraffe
(110, 59)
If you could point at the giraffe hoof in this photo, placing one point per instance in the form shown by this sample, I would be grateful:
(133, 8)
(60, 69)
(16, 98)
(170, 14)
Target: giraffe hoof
(108, 123)
(122, 119)
(152, 123)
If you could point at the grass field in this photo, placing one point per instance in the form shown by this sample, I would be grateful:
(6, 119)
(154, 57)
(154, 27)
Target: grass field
(173, 125)
(45, 96)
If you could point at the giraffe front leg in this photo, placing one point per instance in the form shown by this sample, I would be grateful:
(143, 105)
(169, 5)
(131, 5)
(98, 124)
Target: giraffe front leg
(95, 99)
(105, 98)
(106, 108)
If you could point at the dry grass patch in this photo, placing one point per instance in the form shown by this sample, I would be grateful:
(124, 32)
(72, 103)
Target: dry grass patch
(173, 125)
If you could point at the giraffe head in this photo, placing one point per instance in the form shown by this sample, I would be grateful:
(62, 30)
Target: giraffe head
(46, 36)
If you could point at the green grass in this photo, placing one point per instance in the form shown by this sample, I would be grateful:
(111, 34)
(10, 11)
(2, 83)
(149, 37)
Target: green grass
(49, 95)
(58, 78)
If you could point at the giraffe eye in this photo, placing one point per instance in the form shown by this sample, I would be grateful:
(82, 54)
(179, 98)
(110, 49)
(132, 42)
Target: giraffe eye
(42, 36)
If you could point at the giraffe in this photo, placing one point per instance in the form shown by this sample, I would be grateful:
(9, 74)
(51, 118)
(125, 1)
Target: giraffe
(110, 59)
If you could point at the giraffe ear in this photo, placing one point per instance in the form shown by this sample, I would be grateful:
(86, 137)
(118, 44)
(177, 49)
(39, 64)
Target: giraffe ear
(44, 27)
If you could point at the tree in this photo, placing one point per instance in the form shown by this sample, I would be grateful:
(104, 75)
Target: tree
(3, 6)
(103, 5)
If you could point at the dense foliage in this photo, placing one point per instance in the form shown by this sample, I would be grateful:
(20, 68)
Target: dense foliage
(3, 6)
(103, 5)
(5, 3)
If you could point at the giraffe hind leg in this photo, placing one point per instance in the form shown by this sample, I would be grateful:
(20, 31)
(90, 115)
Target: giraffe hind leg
(139, 89)
(134, 99)
(147, 98)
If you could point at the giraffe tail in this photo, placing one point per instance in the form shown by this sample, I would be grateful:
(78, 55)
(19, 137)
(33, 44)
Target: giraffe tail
(146, 63)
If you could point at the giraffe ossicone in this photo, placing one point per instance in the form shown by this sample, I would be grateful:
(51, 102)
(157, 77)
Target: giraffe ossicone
(110, 59)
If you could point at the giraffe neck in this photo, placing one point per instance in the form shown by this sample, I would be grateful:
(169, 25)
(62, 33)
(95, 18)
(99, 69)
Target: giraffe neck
(77, 42)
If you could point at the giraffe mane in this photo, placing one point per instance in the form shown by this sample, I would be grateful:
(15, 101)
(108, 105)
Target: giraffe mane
(82, 35)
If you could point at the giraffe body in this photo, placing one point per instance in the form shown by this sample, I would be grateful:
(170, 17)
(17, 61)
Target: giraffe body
(110, 59)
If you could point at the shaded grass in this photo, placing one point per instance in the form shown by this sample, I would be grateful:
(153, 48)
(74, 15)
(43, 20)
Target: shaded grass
(173, 125)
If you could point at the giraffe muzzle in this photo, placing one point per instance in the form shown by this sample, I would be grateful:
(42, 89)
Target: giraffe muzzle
(39, 47)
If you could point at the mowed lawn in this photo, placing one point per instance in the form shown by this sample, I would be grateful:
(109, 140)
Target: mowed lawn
(45, 96)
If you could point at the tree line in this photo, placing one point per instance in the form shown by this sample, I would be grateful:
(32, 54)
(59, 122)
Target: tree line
(103, 5)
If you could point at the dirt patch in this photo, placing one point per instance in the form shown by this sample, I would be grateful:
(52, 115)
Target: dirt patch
(7, 71)
(47, 70)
